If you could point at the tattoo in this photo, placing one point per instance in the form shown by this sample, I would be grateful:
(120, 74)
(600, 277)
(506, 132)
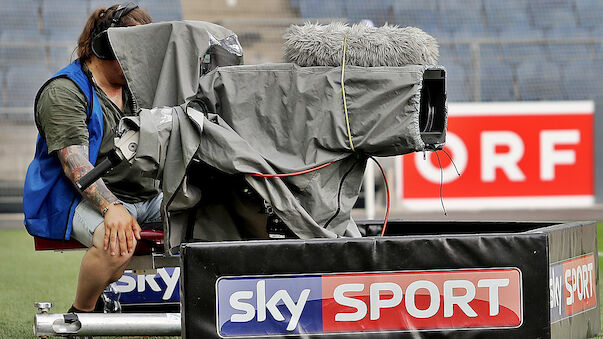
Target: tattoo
(75, 163)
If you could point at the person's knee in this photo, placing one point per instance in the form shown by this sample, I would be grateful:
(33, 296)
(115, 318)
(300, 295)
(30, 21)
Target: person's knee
(112, 261)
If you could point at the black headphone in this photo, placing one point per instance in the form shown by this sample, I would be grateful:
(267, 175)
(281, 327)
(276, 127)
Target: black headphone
(100, 45)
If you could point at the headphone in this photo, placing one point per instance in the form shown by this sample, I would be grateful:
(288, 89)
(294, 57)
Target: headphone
(100, 45)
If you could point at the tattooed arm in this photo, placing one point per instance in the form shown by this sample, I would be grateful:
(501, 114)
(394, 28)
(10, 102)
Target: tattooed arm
(119, 224)
(74, 160)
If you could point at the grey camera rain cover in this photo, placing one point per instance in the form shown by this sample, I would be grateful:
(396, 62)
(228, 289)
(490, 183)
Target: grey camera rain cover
(263, 119)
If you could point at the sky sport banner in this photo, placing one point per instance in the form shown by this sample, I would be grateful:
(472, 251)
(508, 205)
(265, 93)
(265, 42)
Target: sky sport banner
(509, 155)
(573, 287)
(369, 302)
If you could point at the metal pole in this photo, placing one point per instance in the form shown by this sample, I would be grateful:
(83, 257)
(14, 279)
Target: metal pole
(107, 324)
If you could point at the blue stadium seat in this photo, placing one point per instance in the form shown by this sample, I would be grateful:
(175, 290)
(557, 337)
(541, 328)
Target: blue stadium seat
(22, 48)
(568, 31)
(22, 84)
(515, 53)
(64, 15)
(563, 52)
(378, 11)
(422, 14)
(548, 14)
(163, 10)
(457, 84)
(490, 51)
(538, 79)
(461, 18)
(316, 9)
(582, 78)
(59, 57)
(447, 52)
(496, 80)
(94, 4)
(503, 16)
(589, 13)
(2, 82)
(19, 15)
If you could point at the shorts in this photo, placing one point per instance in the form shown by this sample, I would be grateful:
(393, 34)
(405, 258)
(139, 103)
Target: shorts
(86, 218)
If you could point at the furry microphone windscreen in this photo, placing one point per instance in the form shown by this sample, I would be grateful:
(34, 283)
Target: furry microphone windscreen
(322, 45)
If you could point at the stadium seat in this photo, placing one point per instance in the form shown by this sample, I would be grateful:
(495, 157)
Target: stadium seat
(2, 82)
(589, 13)
(496, 81)
(567, 31)
(94, 4)
(461, 18)
(316, 9)
(505, 16)
(378, 11)
(22, 84)
(60, 57)
(563, 52)
(456, 81)
(163, 10)
(56, 17)
(19, 15)
(22, 48)
(422, 14)
(515, 53)
(582, 78)
(548, 14)
(538, 79)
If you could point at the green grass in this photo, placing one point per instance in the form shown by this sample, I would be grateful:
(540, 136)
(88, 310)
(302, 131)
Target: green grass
(27, 276)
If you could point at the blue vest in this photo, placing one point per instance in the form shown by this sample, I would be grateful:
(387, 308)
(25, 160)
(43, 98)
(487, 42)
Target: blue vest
(49, 197)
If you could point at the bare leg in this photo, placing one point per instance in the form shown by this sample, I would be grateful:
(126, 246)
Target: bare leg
(98, 269)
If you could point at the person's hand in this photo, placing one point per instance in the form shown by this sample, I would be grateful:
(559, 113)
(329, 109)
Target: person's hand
(120, 230)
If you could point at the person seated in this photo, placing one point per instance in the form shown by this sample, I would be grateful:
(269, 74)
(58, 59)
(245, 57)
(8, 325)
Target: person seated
(76, 114)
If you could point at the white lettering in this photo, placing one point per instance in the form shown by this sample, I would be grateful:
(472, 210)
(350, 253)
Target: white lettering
(432, 173)
(261, 299)
(579, 282)
(149, 279)
(170, 281)
(294, 308)
(507, 162)
(550, 157)
(241, 306)
(568, 286)
(359, 305)
(590, 276)
(493, 285)
(130, 284)
(434, 295)
(377, 303)
(461, 300)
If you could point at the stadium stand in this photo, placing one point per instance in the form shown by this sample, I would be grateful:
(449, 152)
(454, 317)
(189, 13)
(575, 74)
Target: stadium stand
(379, 12)
(496, 81)
(38, 37)
(582, 78)
(538, 79)
(22, 47)
(21, 14)
(313, 9)
(23, 82)
(458, 18)
(67, 16)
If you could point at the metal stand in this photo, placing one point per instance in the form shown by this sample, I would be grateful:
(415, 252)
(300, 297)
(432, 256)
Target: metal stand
(106, 324)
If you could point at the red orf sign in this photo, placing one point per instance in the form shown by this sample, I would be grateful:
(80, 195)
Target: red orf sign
(510, 155)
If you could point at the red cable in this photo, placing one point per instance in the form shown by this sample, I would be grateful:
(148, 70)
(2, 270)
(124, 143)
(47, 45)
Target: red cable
(291, 174)
(327, 164)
